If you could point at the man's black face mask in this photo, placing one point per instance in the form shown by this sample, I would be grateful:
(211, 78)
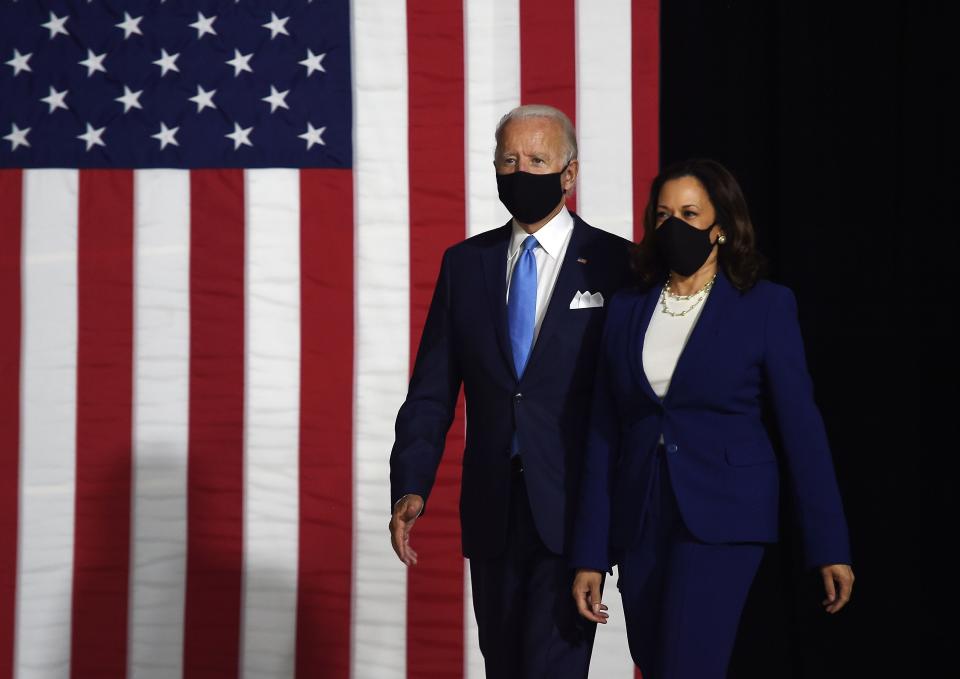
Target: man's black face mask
(530, 197)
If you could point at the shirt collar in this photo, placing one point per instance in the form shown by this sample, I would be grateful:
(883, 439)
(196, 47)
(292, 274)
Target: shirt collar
(550, 236)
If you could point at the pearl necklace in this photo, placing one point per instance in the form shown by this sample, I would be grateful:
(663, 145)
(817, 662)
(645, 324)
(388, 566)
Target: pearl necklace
(699, 294)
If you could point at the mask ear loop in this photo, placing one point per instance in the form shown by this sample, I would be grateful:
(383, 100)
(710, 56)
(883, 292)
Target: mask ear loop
(721, 239)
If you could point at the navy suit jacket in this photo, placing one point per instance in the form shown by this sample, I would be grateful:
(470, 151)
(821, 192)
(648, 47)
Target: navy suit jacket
(722, 464)
(466, 340)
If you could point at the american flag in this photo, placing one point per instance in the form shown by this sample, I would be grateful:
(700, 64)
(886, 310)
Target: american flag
(220, 226)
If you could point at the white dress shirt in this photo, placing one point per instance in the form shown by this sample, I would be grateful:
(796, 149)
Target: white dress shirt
(553, 238)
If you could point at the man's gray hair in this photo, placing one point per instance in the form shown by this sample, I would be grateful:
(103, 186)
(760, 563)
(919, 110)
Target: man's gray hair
(541, 111)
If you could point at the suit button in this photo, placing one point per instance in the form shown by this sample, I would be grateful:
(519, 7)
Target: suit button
(672, 448)
(518, 396)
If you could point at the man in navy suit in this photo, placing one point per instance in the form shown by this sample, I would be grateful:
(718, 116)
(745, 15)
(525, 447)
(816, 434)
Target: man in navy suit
(516, 317)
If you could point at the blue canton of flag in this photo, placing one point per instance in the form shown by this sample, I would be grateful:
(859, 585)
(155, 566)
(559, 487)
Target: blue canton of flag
(175, 84)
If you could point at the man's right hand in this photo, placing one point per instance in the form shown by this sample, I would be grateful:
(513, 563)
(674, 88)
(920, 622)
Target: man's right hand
(405, 514)
(586, 592)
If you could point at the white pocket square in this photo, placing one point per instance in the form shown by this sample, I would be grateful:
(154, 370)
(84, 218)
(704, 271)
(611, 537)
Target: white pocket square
(586, 300)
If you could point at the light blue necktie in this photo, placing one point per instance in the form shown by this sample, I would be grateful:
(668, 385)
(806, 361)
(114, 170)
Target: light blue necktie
(522, 304)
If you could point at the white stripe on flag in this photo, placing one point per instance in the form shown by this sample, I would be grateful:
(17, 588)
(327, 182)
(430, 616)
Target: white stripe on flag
(611, 653)
(605, 199)
(473, 658)
(272, 422)
(48, 425)
(604, 116)
(160, 422)
(382, 327)
(492, 83)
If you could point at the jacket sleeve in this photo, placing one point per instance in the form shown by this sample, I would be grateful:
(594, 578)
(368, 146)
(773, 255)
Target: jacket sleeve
(427, 412)
(813, 484)
(591, 534)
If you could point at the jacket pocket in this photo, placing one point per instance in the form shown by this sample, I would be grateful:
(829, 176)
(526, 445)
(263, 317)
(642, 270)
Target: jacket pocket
(750, 453)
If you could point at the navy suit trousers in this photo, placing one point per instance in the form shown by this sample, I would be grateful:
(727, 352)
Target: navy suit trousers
(529, 627)
(682, 598)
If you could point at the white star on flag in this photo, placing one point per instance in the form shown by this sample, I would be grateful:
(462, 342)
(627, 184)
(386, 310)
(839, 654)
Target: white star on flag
(55, 99)
(167, 62)
(130, 99)
(93, 62)
(240, 62)
(203, 99)
(166, 136)
(312, 136)
(277, 25)
(19, 62)
(276, 99)
(17, 137)
(130, 25)
(204, 25)
(240, 136)
(55, 25)
(92, 136)
(312, 62)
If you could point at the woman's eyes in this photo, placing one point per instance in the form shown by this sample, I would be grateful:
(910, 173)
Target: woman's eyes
(686, 214)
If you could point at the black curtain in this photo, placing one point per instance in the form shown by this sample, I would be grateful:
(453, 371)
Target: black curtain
(833, 116)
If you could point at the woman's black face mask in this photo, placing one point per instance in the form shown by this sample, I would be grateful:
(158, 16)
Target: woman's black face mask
(683, 248)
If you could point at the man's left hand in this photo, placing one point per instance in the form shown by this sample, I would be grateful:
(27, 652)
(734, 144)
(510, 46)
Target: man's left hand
(838, 584)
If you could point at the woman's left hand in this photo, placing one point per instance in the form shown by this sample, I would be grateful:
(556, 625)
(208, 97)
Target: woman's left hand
(838, 584)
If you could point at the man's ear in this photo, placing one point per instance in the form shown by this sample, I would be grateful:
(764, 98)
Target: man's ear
(568, 180)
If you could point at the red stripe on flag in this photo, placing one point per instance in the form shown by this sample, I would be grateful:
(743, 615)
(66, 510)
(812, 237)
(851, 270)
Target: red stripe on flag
(326, 419)
(104, 423)
(548, 63)
(645, 106)
(11, 230)
(645, 17)
(215, 462)
(435, 607)
(548, 48)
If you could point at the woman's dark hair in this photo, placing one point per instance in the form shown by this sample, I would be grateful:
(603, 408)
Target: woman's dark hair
(738, 257)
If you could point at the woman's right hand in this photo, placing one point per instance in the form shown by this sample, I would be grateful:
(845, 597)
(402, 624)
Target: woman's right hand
(586, 592)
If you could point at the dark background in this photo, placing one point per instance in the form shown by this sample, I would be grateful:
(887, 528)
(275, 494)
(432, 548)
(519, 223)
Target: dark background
(833, 118)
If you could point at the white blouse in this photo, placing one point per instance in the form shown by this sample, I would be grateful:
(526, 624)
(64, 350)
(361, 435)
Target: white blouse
(666, 336)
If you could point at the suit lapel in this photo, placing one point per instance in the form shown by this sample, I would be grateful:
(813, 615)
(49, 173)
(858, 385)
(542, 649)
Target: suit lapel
(569, 280)
(495, 275)
(704, 331)
(643, 310)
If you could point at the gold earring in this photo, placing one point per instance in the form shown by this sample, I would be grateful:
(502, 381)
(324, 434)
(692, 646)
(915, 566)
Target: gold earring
(721, 239)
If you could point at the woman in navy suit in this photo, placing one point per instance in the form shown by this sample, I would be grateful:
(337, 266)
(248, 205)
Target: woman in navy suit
(680, 481)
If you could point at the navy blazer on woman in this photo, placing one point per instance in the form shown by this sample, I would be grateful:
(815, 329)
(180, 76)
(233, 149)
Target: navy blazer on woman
(722, 465)
(466, 339)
